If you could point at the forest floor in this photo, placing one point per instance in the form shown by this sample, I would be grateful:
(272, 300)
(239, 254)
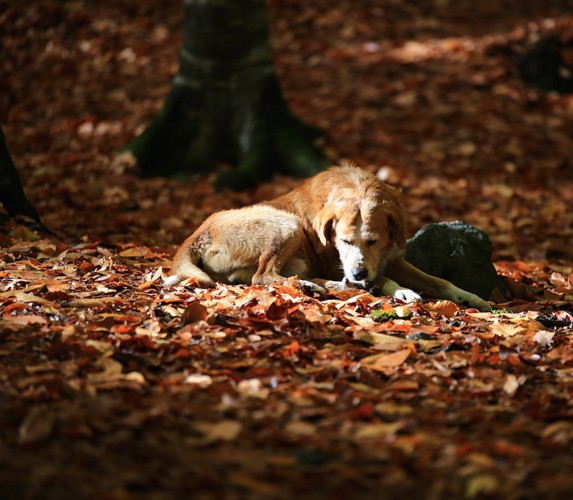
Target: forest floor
(113, 386)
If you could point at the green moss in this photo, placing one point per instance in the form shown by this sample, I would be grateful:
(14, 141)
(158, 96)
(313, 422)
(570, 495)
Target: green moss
(381, 315)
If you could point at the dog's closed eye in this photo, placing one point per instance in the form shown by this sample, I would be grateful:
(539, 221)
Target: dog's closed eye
(371, 242)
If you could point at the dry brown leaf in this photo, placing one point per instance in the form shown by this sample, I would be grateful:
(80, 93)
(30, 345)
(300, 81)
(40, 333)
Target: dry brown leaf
(511, 384)
(225, 430)
(25, 297)
(37, 425)
(199, 379)
(257, 487)
(135, 377)
(377, 430)
(544, 337)
(195, 311)
(384, 361)
(25, 319)
(444, 307)
(313, 315)
(138, 252)
(158, 274)
(482, 484)
(111, 369)
(381, 340)
(506, 329)
(300, 428)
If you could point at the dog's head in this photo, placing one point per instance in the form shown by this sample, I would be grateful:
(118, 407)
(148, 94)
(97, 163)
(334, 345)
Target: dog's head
(366, 228)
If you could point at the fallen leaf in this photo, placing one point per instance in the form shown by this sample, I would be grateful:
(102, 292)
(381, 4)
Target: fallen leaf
(313, 315)
(544, 338)
(138, 252)
(25, 319)
(158, 274)
(256, 487)
(444, 307)
(225, 430)
(199, 379)
(37, 425)
(482, 484)
(195, 311)
(403, 311)
(506, 329)
(381, 340)
(383, 361)
(253, 387)
(135, 377)
(300, 428)
(511, 384)
(377, 430)
(25, 297)
(110, 368)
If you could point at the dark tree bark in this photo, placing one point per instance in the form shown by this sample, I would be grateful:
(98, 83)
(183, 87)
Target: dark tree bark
(226, 104)
(12, 195)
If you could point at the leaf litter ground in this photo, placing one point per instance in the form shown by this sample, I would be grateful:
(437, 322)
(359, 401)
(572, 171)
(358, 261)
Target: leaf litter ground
(112, 385)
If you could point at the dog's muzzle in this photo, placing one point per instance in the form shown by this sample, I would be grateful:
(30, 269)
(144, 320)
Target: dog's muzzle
(359, 273)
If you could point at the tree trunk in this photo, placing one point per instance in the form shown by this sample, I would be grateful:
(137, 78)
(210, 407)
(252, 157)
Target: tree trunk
(12, 195)
(226, 104)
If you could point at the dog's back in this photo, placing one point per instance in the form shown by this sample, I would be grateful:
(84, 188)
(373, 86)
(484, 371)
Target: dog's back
(231, 243)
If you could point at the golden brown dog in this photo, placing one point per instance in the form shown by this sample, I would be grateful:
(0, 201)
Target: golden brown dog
(342, 228)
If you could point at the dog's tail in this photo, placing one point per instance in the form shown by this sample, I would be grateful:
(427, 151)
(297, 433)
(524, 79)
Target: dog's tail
(185, 266)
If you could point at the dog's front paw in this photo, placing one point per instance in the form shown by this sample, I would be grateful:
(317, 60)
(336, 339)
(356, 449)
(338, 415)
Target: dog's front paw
(474, 301)
(462, 297)
(406, 295)
(310, 287)
(204, 282)
(339, 285)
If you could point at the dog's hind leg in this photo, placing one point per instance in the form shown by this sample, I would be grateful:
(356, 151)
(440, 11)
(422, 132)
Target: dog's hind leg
(271, 261)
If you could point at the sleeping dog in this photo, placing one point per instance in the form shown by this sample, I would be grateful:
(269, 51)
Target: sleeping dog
(343, 228)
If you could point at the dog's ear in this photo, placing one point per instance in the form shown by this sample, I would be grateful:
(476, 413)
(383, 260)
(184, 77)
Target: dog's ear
(397, 227)
(389, 200)
(323, 225)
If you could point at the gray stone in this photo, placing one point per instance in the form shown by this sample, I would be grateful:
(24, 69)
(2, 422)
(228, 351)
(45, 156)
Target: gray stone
(457, 252)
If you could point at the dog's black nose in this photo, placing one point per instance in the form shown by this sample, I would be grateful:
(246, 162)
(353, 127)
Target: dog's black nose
(359, 273)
